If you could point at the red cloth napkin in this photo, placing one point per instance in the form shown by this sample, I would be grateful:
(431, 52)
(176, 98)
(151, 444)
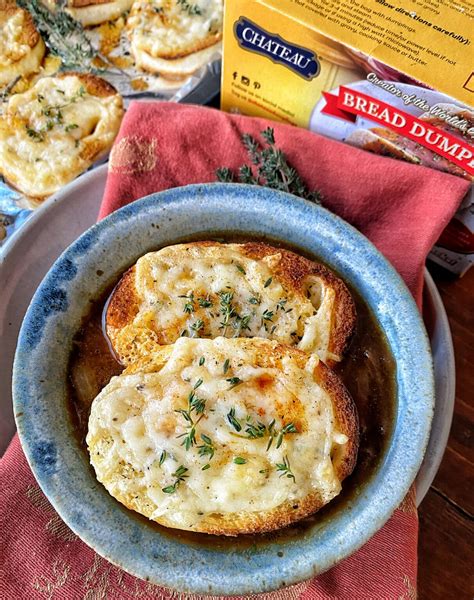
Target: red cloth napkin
(402, 208)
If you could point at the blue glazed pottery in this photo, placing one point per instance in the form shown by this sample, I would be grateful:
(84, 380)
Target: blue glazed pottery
(61, 467)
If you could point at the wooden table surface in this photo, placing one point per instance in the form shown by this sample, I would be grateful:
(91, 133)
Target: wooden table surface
(446, 542)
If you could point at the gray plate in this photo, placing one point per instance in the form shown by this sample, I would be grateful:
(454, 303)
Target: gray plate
(28, 255)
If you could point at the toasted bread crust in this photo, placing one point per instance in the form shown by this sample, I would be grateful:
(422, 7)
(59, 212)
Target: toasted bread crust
(292, 270)
(95, 86)
(29, 34)
(124, 302)
(344, 461)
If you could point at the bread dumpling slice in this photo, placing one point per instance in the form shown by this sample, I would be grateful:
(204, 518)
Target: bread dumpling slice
(21, 46)
(209, 289)
(57, 129)
(224, 436)
(174, 38)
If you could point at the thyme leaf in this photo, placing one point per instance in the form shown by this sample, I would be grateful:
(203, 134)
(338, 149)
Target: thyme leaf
(234, 381)
(233, 420)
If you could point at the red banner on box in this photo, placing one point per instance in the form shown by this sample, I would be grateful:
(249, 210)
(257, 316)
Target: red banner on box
(350, 103)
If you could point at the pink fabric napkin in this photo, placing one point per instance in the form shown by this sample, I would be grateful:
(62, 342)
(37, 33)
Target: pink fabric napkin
(402, 208)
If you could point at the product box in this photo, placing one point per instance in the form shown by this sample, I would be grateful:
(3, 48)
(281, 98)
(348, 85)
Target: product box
(393, 77)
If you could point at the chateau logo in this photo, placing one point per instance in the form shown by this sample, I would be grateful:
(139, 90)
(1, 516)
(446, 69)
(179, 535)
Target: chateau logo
(255, 39)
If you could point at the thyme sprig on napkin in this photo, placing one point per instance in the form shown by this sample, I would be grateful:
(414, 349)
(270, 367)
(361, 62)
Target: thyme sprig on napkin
(269, 168)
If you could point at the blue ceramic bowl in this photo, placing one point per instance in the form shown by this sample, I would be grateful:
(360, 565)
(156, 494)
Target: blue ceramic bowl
(62, 470)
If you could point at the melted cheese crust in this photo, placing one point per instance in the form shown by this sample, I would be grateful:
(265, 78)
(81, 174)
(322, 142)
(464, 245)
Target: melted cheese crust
(136, 419)
(21, 47)
(166, 29)
(188, 289)
(54, 131)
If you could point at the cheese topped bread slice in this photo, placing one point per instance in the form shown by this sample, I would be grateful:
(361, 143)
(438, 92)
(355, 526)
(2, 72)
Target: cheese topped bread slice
(174, 38)
(209, 289)
(21, 46)
(55, 130)
(224, 436)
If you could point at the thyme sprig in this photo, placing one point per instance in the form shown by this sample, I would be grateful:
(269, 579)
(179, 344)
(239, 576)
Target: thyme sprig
(54, 116)
(207, 448)
(189, 305)
(180, 476)
(269, 168)
(285, 469)
(64, 36)
(197, 405)
(230, 316)
(256, 429)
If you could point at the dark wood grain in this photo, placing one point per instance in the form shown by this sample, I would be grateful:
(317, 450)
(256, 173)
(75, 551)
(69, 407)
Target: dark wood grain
(446, 544)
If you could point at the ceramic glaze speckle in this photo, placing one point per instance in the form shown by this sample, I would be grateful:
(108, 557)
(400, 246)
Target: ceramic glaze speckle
(40, 373)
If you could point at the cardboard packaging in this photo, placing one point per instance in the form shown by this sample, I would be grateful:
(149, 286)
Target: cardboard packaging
(392, 78)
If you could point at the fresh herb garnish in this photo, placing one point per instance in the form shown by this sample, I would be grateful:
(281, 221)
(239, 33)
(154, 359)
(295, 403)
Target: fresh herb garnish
(64, 36)
(233, 421)
(279, 435)
(197, 326)
(205, 467)
(267, 316)
(180, 475)
(289, 428)
(270, 168)
(234, 381)
(37, 136)
(163, 457)
(238, 460)
(202, 360)
(207, 448)
(254, 300)
(227, 310)
(191, 9)
(285, 469)
(204, 302)
(255, 430)
(240, 268)
(54, 116)
(268, 282)
(241, 324)
(197, 405)
(189, 305)
(225, 368)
